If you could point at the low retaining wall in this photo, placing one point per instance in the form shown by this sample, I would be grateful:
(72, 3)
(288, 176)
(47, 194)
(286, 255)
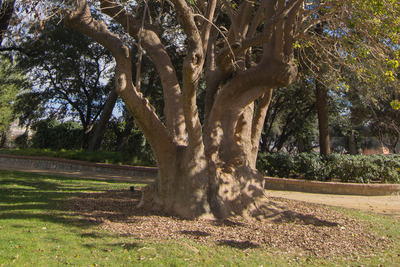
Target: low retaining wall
(284, 184)
(48, 163)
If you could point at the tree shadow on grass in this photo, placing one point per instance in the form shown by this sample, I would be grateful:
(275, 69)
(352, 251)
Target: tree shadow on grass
(238, 244)
(127, 246)
(196, 233)
(305, 219)
(108, 247)
(43, 197)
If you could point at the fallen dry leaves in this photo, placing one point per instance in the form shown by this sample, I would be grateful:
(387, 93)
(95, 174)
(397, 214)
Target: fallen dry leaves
(303, 228)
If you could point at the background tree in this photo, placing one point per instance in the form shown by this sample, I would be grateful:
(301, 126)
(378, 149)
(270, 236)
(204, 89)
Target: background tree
(373, 102)
(367, 29)
(12, 82)
(289, 129)
(209, 169)
(71, 74)
(6, 11)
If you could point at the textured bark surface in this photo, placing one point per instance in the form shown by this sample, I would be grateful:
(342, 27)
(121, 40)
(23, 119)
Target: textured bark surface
(205, 170)
(323, 118)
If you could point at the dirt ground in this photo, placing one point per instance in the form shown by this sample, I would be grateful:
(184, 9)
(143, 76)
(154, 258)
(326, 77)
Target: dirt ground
(301, 228)
(388, 205)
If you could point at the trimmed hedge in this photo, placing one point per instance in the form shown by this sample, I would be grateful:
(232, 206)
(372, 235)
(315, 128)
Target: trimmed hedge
(346, 168)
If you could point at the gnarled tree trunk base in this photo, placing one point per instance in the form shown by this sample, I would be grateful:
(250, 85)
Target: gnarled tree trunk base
(231, 192)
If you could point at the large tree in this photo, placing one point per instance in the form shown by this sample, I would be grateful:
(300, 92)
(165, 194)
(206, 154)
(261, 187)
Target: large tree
(240, 51)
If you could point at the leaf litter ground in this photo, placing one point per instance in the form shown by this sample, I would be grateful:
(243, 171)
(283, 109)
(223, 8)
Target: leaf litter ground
(302, 228)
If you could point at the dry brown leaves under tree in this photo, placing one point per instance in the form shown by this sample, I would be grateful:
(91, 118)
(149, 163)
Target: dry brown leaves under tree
(303, 227)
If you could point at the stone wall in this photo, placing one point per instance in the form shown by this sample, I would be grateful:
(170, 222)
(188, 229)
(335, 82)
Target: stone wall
(48, 163)
(273, 183)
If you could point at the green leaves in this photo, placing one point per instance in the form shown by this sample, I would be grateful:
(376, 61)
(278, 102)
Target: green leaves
(11, 83)
(395, 104)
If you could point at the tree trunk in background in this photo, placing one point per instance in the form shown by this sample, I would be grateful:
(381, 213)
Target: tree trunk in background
(3, 139)
(352, 143)
(130, 123)
(323, 119)
(101, 126)
(300, 144)
(6, 11)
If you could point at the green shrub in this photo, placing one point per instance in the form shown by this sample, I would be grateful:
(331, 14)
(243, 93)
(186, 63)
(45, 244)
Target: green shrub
(346, 168)
(50, 134)
(276, 164)
(312, 166)
(21, 141)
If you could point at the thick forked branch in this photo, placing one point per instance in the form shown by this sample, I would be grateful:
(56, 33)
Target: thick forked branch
(274, 22)
(154, 130)
(276, 69)
(192, 69)
(240, 92)
(156, 51)
(290, 26)
(258, 17)
(258, 123)
(207, 26)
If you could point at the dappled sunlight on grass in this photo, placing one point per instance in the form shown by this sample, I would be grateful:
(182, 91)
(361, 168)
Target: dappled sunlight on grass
(24, 196)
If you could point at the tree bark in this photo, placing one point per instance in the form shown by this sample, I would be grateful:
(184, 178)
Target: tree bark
(323, 118)
(352, 143)
(101, 127)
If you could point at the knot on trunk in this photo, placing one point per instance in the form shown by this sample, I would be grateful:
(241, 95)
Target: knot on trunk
(280, 73)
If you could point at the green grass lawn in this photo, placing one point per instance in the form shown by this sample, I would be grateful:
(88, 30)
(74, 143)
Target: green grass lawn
(36, 229)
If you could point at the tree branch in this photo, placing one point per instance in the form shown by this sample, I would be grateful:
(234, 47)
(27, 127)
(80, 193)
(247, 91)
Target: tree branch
(258, 122)
(154, 130)
(192, 69)
(156, 51)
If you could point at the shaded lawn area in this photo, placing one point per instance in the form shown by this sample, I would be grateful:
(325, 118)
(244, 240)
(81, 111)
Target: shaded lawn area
(34, 224)
(48, 221)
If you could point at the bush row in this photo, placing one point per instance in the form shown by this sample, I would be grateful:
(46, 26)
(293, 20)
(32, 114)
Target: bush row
(346, 168)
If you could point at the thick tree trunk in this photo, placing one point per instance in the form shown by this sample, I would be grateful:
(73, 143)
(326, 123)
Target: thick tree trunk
(180, 187)
(101, 127)
(323, 118)
(208, 190)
